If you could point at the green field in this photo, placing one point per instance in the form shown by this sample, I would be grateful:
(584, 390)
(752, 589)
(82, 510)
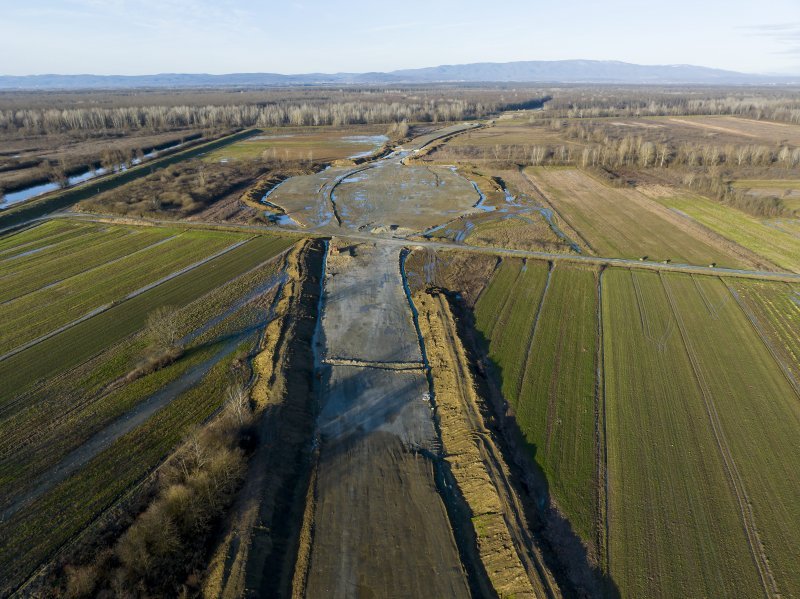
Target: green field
(701, 419)
(774, 309)
(556, 404)
(70, 388)
(320, 144)
(41, 236)
(779, 247)
(541, 329)
(41, 426)
(673, 521)
(53, 305)
(81, 341)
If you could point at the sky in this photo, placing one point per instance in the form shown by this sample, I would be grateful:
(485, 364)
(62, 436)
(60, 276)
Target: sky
(136, 37)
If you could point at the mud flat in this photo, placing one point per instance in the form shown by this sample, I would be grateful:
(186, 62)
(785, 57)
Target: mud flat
(379, 528)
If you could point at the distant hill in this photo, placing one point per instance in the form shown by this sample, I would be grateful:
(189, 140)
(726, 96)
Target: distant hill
(533, 71)
(580, 71)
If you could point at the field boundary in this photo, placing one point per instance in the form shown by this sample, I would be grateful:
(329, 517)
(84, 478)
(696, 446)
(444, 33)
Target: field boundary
(760, 559)
(759, 330)
(131, 295)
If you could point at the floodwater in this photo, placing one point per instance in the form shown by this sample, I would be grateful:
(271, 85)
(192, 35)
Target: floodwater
(376, 140)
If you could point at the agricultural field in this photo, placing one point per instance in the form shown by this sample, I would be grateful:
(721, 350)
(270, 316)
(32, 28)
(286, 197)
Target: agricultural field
(780, 247)
(95, 376)
(696, 376)
(320, 144)
(547, 367)
(623, 222)
(701, 129)
(774, 310)
(742, 129)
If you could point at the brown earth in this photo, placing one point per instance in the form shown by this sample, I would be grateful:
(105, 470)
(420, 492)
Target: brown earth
(379, 526)
(255, 556)
(505, 544)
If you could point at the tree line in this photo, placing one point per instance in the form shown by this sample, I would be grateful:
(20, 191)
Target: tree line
(761, 104)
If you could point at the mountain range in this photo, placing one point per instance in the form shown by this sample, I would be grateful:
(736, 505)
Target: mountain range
(534, 71)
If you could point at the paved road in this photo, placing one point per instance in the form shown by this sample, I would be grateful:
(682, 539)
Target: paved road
(789, 277)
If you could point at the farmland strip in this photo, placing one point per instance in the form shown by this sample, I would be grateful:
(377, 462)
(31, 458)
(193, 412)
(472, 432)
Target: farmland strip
(734, 477)
(80, 342)
(532, 334)
(90, 268)
(601, 436)
(759, 330)
(131, 295)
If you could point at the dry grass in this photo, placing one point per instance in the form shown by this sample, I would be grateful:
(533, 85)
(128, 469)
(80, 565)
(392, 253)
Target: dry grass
(320, 144)
(742, 130)
(456, 401)
(623, 223)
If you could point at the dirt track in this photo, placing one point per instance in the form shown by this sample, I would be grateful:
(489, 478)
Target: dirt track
(380, 528)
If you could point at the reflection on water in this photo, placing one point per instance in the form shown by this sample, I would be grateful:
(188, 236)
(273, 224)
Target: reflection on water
(15, 197)
(375, 140)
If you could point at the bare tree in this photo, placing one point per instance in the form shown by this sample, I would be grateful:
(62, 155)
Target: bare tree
(162, 328)
(238, 403)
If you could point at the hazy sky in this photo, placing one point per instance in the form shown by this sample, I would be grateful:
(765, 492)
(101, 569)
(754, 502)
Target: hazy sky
(224, 36)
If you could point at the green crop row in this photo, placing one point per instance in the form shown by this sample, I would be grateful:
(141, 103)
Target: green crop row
(64, 263)
(555, 409)
(40, 312)
(775, 310)
(25, 260)
(494, 296)
(512, 334)
(48, 233)
(80, 342)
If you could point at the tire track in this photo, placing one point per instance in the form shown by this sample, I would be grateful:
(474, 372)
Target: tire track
(760, 559)
(601, 448)
(532, 335)
(790, 378)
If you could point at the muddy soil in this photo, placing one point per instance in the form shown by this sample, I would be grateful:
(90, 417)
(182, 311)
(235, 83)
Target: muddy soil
(380, 528)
